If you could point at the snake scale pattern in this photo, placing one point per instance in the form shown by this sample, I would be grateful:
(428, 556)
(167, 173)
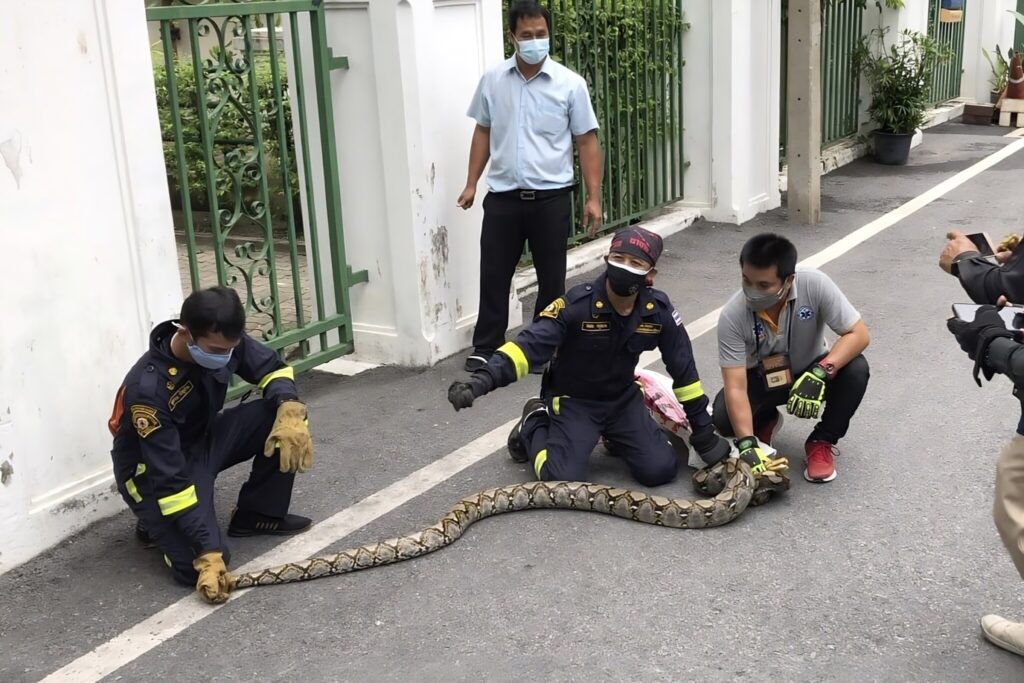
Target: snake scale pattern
(730, 482)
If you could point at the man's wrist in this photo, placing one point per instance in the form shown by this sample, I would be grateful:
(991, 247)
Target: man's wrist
(824, 370)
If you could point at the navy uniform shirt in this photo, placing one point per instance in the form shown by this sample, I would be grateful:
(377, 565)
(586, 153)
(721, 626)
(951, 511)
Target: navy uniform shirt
(165, 408)
(595, 351)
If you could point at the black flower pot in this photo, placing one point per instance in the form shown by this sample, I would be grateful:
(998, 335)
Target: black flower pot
(892, 148)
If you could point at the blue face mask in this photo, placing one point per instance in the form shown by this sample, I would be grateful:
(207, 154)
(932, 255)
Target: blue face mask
(205, 359)
(533, 51)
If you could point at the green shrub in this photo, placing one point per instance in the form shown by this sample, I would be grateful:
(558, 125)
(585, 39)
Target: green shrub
(230, 117)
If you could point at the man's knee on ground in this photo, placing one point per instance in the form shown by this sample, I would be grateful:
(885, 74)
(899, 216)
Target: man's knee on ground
(556, 467)
(658, 472)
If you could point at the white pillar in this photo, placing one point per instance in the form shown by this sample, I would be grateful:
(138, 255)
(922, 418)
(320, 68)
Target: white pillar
(403, 146)
(87, 246)
(745, 58)
(803, 109)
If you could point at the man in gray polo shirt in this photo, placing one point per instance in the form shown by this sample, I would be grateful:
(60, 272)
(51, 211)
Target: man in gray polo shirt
(772, 349)
(528, 112)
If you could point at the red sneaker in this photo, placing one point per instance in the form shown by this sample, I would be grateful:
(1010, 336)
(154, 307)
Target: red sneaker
(820, 467)
(766, 432)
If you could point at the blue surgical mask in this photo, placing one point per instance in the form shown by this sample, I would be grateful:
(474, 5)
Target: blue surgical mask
(533, 51)
(205, 359)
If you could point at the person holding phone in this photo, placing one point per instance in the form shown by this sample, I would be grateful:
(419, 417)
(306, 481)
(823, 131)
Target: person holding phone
(983, 280)
(997, 350)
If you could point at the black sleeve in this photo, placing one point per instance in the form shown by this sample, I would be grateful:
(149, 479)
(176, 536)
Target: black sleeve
(1006, 357)
(532, 347)
(677, 354)
(260, 365)
(985, 282)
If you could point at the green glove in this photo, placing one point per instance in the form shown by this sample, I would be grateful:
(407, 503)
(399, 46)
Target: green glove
(807, 393)
(751, 453)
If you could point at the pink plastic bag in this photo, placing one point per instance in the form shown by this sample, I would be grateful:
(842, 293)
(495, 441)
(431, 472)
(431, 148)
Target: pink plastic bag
(663, 404)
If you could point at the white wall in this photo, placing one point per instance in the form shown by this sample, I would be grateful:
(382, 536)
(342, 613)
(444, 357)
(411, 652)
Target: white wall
(988, 23)
(88, 256)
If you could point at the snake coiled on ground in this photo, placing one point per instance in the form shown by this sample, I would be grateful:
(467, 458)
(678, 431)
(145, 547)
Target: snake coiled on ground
(730, 482)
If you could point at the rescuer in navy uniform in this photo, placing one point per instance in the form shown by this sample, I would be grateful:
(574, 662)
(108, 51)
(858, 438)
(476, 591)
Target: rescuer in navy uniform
(171, 439)
(594, 336)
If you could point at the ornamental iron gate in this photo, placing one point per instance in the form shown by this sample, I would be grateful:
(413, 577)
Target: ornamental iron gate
(231, 79)
(946, 74)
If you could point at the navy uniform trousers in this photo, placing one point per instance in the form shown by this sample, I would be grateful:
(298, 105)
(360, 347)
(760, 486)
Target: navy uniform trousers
(238, 434)
(567, 436)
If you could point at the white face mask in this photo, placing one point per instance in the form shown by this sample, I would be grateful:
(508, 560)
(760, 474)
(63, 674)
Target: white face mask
(533, 51)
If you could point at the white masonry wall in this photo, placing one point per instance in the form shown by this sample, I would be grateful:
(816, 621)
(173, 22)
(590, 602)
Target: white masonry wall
(87, 253)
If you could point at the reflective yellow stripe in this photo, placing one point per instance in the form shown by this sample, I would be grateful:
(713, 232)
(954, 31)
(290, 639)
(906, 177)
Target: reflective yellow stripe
(689, 392)
(287, 372)
(132, 491)
(538, 462)
(141, 469)
(518, 358)
(176, 502)
(556, 404)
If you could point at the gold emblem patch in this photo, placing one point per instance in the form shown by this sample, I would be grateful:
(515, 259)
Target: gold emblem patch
(554, 308)
(145, 420)
(179, 395)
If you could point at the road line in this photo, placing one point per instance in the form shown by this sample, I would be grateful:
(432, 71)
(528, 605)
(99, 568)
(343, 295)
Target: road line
(168, 622)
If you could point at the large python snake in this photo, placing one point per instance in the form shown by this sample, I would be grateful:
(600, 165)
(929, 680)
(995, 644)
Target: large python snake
(730, 482)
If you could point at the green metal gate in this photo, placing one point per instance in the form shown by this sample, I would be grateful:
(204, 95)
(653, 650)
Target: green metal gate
(630, 53)
(946, 75)
(231, 79)
(841, 24)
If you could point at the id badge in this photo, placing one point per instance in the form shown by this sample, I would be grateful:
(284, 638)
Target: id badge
(776, 372)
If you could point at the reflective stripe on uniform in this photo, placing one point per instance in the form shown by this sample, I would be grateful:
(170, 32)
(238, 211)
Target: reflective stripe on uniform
(287, 372)
(518, 358)
(133, 491)
(539, 460)
(689, 392)
(176, 502)
(141, 469)
(556, 404)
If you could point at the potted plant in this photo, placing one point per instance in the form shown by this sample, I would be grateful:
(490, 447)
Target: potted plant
(899, 77)
(1000, 69)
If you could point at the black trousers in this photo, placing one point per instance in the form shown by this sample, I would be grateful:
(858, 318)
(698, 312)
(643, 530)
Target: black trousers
(562, 441)
(509, 223)
(238, 435)
(843, 395)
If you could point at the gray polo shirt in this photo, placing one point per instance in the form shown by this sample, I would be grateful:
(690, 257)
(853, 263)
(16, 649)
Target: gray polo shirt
(814, 301)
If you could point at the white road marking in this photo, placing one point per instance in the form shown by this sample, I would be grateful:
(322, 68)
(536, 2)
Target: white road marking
(168, 622)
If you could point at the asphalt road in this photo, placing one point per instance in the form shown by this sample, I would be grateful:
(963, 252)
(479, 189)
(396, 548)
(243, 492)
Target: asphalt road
(881, 575)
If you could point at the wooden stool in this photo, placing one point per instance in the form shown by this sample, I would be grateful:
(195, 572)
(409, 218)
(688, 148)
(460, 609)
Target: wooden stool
(1008, 108)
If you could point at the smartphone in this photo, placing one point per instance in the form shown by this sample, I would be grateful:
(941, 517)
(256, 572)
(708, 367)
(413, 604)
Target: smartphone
(1013, 316)
(983, 243)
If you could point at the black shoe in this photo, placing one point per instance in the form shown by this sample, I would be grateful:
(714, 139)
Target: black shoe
(477, 360)
(516, 447)
(255, 524)
(143, 536)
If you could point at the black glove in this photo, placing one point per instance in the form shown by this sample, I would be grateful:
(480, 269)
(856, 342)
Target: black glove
(974, 337)
(711, 448)
(462, 394)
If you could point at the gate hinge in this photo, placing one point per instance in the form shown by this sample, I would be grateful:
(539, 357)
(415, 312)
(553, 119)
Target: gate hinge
(356, 277)
(335, 62)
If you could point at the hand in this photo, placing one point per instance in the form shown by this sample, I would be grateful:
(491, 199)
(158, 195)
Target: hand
(1008, 243)
(215, 581)
(592, 216)
(807, 393)
(290, 437)
(1003, 255)
(709, 446)
(957, 244)
(465, 199)
(462, 394)
(987, 325)
(751, 453)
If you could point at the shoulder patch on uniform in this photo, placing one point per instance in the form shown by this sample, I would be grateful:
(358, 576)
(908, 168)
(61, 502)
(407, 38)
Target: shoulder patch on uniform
(554, 308)
(179, 395)
(678, 318)
(145, 420)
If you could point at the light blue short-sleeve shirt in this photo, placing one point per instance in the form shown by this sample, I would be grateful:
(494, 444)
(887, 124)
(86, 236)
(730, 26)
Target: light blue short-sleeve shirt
(532, 124)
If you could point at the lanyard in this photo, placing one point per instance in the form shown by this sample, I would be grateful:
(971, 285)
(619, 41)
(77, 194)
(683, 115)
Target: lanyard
(789, 330)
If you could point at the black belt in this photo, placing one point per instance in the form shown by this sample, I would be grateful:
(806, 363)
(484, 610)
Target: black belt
(533, 195)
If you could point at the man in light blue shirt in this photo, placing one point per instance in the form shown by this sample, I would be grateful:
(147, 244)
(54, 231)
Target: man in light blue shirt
(528, 112)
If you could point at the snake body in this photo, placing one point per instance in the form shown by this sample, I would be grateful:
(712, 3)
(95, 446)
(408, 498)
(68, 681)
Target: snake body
(730, 482)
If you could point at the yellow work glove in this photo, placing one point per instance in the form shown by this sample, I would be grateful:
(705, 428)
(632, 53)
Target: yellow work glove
(750, 452)
(290, 436)
(215, 581)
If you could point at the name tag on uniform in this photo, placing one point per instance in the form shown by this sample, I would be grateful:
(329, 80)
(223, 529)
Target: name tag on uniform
(648, 328)
(596, 327)
(776, 372)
